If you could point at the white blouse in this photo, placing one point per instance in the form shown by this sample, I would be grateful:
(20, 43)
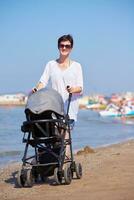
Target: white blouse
(60, 79)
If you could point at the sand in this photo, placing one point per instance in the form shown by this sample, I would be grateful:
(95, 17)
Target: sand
(108, 174)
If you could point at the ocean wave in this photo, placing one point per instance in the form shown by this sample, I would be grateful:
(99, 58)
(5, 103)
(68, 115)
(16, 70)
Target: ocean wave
(9, 153)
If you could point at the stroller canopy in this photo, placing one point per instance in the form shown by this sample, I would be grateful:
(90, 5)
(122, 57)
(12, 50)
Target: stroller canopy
(45, 100)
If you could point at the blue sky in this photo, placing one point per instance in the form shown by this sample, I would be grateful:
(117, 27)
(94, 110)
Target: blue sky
(103, 32)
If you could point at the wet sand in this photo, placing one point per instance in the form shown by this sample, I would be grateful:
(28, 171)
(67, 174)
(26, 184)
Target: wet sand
(108, 174)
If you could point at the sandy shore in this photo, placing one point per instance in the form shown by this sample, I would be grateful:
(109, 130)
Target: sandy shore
(108, 174)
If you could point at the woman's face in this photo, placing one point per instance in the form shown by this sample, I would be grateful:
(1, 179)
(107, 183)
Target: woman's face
(65, 48)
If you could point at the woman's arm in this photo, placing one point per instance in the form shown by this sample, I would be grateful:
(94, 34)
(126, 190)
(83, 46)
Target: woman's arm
(44, 79)
(38, 87)
(79, 82)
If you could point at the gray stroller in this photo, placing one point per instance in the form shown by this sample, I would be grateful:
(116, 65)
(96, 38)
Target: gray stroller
(44, 134)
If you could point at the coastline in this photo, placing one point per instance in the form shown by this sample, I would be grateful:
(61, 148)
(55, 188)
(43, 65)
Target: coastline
(107, 174)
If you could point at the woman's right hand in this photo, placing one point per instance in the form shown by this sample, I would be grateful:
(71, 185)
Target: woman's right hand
(34, 90)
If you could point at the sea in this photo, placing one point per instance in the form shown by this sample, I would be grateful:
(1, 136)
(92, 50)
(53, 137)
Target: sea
(90, 130)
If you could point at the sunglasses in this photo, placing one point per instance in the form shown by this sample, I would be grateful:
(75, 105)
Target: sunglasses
(67, 46)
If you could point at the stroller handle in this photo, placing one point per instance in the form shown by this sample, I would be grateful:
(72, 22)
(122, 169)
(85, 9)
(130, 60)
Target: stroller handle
(69, 100)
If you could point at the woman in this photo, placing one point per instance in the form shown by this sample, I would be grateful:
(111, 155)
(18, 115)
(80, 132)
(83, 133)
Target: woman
(65, 75)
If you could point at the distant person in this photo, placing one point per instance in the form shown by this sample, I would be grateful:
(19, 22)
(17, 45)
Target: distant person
(64, 72)
(66, 77)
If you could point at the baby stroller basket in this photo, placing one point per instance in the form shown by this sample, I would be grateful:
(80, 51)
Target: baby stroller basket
(45, 124)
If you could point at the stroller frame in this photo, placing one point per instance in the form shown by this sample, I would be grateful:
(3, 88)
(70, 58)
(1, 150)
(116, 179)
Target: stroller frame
(49, 150)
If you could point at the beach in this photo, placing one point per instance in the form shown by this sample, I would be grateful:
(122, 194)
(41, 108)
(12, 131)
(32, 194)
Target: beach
(108, 173)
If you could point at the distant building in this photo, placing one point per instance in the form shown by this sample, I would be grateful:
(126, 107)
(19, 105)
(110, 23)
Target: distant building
(13, 99)
(83, 102)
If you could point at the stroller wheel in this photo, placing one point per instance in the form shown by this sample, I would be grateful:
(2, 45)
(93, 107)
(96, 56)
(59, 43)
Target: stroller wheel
(78, 170)
(21, 178)
(35, 174)
(43, 178)
(72, 169)
(67, 174)
(57, 176)
(29, 178)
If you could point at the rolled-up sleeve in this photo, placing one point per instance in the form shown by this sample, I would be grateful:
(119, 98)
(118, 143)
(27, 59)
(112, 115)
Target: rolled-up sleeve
(46, 75)
(80, 77)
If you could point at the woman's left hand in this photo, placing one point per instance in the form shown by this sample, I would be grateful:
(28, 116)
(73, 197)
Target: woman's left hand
(69, 89)
(74, 89)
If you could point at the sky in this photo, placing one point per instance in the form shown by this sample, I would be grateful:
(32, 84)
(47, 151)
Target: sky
(103, 32)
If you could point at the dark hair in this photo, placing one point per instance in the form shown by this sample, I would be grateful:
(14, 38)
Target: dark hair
(66, 38)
